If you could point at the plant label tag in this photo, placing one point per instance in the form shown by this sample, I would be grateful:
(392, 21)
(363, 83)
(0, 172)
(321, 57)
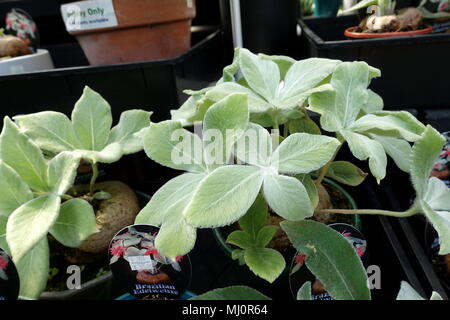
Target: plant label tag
(141, 270)
(88, 15)
(9, 278)
(141, 263)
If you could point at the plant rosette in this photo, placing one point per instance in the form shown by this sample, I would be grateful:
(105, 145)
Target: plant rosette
(237, 168)
(142, 271)
(39, 157)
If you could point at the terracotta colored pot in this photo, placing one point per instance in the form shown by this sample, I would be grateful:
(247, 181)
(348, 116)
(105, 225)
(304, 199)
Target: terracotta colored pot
(349, 33)
(146, 30)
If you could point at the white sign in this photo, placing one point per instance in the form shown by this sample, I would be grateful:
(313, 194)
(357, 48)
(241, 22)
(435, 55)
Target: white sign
(141, 263)
(87, 15)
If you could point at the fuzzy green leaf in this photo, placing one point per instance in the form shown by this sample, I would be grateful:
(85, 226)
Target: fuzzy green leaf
(310, 187)
(331, 258)
(303, 153)
(374, 103)
(364, 148)
(33, 270)
(176, 237)
(24, 156)
(265, 235)
(62, 171)
(241, 239)
(169, 144)
(232, 293)
(262, 75)
(398, 149)
(305, 125)
(224, 196)
(436, 206)
(408, 293)
(254, 146)
(340, 108)
(76, 222)
(255, 218)
(304, 75)
(126, 131)
(169, 194)
(15, 190)
(265, 263)
(256, 104)
(51, 131)
(346, 173)
(29, 223)
(304, 293)
(395, 124)
(3, 242)
(92, 119)
(287, 197)
(425, 152)
(221, 127)
(284, 63)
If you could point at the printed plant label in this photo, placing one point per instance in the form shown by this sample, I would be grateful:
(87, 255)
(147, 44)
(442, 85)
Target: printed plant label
(141, 270)
(9, 278)
(88, 15)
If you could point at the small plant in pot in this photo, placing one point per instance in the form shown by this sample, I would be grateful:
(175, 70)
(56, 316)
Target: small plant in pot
(236, 168)
(386, 21)
(45, 218)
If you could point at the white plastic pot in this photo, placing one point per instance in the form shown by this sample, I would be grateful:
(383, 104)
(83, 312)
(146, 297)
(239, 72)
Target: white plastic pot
(41, 60)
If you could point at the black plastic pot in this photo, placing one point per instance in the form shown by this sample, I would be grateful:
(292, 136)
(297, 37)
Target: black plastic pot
(413, 68)
(155, 85)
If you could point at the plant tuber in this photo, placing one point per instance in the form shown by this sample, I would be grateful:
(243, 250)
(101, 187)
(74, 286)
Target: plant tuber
(11, 46)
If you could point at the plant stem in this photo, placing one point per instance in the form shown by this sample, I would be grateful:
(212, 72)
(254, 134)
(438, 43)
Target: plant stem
(286, 129)
(93, 178)
(66, 197)
(403, 214)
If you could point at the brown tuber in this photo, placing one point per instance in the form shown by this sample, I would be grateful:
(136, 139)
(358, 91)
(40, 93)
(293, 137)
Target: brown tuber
(11, 46)
(406, 20)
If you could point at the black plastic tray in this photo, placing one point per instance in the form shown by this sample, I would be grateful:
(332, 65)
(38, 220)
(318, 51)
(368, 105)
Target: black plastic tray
(414, 71)
(153, 85)
(397, 194)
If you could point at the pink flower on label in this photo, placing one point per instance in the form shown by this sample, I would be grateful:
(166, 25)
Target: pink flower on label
(300, 259)
(360, 251)
(118, 251)
(151, 251)
(3, 263)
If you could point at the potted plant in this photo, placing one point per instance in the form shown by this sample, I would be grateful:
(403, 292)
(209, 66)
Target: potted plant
(115, 31)
(386, 21)
(236, 168)
(47, 219)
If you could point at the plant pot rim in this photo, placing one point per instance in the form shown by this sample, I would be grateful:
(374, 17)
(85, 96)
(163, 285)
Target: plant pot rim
(228, 249)
(349, 33)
